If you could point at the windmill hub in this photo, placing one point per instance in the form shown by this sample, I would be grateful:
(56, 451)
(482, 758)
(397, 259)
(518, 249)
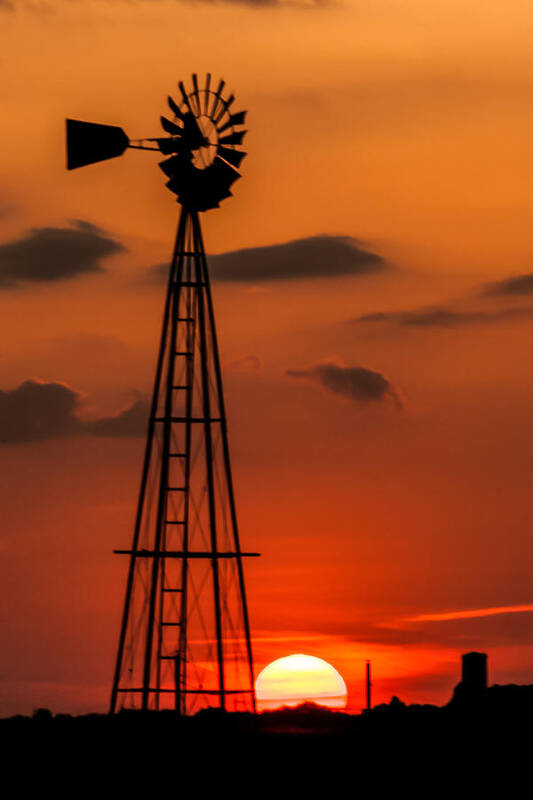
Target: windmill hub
(204, 155)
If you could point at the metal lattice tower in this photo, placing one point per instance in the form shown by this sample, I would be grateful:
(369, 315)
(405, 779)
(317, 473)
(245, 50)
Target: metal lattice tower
(185, 636)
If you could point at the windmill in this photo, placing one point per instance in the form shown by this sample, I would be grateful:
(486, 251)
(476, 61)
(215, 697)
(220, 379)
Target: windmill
(184, 641)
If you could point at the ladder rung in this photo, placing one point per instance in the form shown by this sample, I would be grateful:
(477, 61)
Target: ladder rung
(172, 590)
(181, 387)
(167, 658)
(176, 489)
(177, 455)
(183, 353)
(185, 319)
(171, 624)
(187, 419)
(174, 522)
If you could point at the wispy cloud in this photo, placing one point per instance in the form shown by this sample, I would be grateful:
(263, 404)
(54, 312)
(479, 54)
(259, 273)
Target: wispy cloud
(517, 285)
(445, 317)
(360, 384)
(472, 613)
(249, 363)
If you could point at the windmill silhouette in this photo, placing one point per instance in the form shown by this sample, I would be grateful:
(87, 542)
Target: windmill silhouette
(184, 640)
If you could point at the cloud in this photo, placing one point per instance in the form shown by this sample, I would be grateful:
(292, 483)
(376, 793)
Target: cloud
(471, 613)
(45, 255)
(516, 285)
(442, 317)
(363, 386)
(37, 410)
(271, 3)
(130, 422)
(268, 3)
(254, 3)
(246, 364)
(314, 257)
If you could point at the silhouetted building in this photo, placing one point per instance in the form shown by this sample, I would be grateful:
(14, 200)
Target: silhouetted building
(473, 685)
(474, 678)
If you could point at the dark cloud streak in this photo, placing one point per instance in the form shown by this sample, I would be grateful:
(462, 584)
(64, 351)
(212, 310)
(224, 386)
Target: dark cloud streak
(47, 255)
(517, 285)
(442, 317)
(37, 411)
(360, 384)
(313, 257)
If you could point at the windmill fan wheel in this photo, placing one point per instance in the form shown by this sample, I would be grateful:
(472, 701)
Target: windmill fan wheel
(204, 133)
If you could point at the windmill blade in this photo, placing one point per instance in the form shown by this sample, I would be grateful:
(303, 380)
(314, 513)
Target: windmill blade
(218, 97)
(171, 166)
(227, 104)
(222, 174)
(233, 138)
(172, 145)
(207, 85)
(174, 185)
(216, 183)
(185, 96)
(174, 107)
(234, 157)
(171, 127)
(90, 142)
(196, 92)
(235, 119)
(182, 183)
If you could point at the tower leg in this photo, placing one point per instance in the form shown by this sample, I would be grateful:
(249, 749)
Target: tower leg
(146, 465)
(185, 588)
(225, 446)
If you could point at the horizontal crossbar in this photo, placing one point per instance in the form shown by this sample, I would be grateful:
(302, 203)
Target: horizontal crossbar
(191, 691)
(183, 554)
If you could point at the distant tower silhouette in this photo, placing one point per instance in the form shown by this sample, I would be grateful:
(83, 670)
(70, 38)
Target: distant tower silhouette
(368, 686)
(470, 691)
(185, 637)
(474, 673)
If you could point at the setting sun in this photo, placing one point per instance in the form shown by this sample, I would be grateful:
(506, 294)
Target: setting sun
(297, 679)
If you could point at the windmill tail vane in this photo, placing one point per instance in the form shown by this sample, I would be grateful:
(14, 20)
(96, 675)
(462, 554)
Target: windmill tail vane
(184, 640)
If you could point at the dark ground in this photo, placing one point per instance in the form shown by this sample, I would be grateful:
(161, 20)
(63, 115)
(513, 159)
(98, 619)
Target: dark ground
(475, 745)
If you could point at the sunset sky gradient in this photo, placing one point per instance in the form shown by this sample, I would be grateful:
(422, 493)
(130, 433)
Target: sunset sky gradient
(378, 379)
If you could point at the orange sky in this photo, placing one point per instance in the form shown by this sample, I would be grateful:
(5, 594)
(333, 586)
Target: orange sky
(406, 125)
